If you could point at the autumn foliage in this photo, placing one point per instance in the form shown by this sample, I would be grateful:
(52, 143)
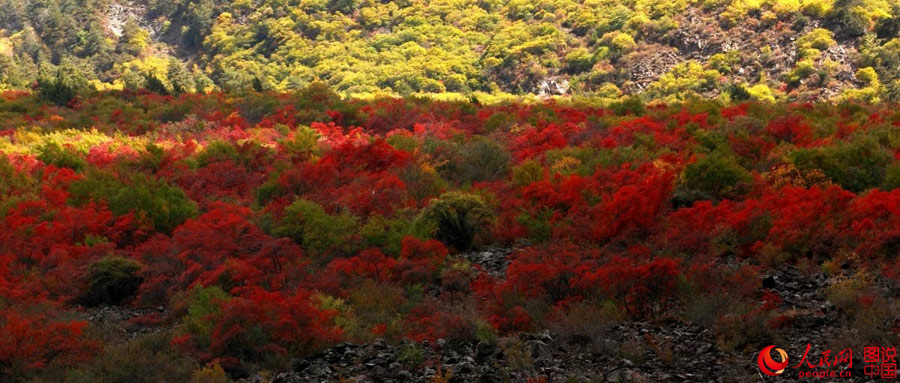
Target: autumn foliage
(254, 240)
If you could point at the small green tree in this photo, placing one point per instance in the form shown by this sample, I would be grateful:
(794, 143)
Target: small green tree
(891, 178)
(155, 85)
(320, 233)
(458, 217)
(112, 280)
(56, 90)
(64, 157)
(203, 304)
(164, 205)
(856, 165)
(182, 81)
(716, 175)
(482, 160)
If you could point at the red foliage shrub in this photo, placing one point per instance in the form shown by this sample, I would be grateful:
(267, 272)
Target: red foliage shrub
(255, 324)
(790, 129)
(642, 288)
(369, 264)
(588, 205)
(220, 247)
(33, 341)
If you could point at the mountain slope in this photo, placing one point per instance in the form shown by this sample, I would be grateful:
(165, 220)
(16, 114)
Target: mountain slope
(662, 49)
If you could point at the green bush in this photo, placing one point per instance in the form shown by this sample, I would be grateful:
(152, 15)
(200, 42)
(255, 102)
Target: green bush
(716, 175)
(482, 160)
(458, 217)
(388, 233)
(202, 305)
(210, 374)
(56, 90)
(890, 26)
(149, 197)
(155, 85)
(891, 178)
(579, 60)
(632, 105)
(112, 281)
(737, 92)
(422, 182)
(152, 157)
(147, 359)
(218, 151)
(14, 185)
(856, 166)
(320, 233)
(304, 144)
(818, 39)
(527, 172)
(885, 59)
(63, 157)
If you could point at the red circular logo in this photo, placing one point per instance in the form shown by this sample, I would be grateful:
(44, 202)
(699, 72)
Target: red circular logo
(768, 365)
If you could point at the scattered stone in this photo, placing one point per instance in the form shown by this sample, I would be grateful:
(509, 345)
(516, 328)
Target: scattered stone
(669, 351)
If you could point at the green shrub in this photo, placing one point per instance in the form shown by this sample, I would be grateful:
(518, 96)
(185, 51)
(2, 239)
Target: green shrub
(891, 178)
(684, 81)
(538, 225)
(112, 281)
(404, 142)
(579, 60)
(14, 185)
(388, 233)
(818, 39)
(889, 26)
(320, 233)
(527, 172)
(716, 175)
(63, 157)
(737, 92)
(202, 305)
(885, 59)
(499, 121)
(150, 198)
(617, 41)
(155, 85)
(761, 92)
(800, 72)
(482, 160)
(304, 144)
(218, 151)
(147, 359)
(56, 90)
(585, 160)
(152, 158)
(856, 166)
(632, 105)
(422, 182)
(457, 217)
(210, 374)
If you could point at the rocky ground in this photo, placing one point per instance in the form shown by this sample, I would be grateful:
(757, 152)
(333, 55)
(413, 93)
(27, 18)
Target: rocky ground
(701, 35)
(664, 351)
(668, 350)
(122, 323)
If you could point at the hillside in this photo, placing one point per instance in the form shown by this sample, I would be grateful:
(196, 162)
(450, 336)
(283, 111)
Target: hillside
(660, 49)
(449, 191)
(290, 238)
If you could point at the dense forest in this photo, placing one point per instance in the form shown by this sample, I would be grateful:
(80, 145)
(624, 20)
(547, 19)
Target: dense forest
(662, 49)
